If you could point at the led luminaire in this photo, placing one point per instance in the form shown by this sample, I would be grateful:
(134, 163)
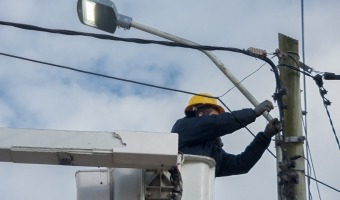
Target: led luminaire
(101, 14)
(89, 12)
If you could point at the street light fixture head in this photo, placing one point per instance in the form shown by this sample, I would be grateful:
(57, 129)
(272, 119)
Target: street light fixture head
(101, 14)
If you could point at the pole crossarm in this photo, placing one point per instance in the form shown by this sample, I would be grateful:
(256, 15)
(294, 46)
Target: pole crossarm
(82, 148)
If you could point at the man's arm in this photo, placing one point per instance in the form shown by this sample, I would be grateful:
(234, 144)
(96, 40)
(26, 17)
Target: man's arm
(242, 163)
(195, 130)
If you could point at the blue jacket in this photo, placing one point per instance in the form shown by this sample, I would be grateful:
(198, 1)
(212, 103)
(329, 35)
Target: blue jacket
(199, 136)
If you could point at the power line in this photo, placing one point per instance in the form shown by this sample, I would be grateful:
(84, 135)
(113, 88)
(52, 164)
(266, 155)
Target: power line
(324, 184)
(137, 40)
(111, 37)
(310, 165)
(295, 69)
(244, 79)
(331, 122)
(96, 74)
(305, 88)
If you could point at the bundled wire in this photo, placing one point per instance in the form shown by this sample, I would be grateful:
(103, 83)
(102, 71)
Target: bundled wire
(113, 38)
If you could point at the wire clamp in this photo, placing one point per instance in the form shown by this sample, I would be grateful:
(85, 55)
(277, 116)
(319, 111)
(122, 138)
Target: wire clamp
(287, 174)
(305, 67)
(287, 178)
(296, 139)
(281, 92)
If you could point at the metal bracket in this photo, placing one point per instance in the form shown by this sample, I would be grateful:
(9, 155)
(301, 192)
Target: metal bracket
(305, 67)
(157, 184)
(296, 139)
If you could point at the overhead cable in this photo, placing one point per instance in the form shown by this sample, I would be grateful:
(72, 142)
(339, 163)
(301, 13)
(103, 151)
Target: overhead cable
(111, 37)
(310, 165)
(135, 40)
(244, 79)
(324, 184)
(97, 74)
(305, 93)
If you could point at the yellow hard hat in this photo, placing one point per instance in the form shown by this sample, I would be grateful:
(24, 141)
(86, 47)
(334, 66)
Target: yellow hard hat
(205, 100)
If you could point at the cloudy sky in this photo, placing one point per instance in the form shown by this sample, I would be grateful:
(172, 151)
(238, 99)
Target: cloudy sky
(39, 96)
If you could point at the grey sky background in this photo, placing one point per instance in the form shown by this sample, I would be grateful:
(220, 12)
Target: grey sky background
(38, 96)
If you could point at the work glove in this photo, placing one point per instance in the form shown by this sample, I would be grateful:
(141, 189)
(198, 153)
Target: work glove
(262, 107)
(273, 127)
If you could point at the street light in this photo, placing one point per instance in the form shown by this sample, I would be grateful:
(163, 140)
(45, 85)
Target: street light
(103, 15)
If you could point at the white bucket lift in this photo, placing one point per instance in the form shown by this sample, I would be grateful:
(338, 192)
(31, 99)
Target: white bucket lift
(138, 163)
(198, 175)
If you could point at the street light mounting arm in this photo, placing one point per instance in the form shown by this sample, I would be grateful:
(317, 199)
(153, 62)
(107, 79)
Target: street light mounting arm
(211, 56)
(124, 21)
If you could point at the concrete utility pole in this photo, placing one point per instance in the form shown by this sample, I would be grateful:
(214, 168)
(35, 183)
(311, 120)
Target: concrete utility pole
(292, 169)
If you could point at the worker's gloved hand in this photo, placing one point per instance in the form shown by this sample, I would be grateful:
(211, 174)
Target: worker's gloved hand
(262, 107)
(273, 127)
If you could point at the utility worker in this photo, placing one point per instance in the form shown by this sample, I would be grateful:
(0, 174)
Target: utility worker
(206, 121)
